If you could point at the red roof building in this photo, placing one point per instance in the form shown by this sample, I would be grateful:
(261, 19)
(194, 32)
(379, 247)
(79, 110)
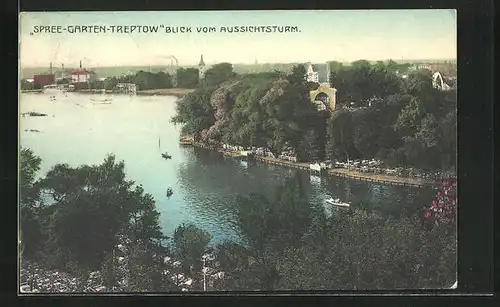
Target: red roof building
(44, 79)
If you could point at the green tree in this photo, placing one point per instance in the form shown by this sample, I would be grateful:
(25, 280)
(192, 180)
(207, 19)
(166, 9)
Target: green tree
(146, 270)
(29, 166)
(419, 83)
(335, 66)
(367, 132)
(29, 193)
(367, 251)
(268, 226)
(90, 207)
(163, 80)
(187, 77)
(195, 112)
(361, 83)
(189, 244)
(25, 85)
(409, 119)
(339, 135)
(147, 80)
(218, 74)
(447, 136)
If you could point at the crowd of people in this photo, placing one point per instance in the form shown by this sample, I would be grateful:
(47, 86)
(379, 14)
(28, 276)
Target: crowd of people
(377, 167)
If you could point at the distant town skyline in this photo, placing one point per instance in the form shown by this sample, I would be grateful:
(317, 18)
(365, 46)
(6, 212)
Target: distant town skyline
(343, 36)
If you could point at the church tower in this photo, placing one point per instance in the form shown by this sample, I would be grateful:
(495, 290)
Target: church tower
(201, 68)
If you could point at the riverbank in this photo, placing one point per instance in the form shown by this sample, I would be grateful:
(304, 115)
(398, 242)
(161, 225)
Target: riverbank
(31, 91)
(338, 172)
(177, 92)
(346, 173)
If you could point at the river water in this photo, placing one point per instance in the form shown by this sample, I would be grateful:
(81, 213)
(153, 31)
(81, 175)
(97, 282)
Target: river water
(78, 130)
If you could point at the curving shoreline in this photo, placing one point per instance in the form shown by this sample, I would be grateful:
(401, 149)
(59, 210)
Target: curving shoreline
(338, 172)
(177, 92)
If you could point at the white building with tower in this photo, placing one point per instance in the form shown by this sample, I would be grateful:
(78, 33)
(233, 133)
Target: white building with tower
(325, 95)
(312, 76)
(319, 73)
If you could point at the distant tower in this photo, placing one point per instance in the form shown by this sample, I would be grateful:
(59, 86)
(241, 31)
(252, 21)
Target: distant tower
(80, 64)
(62, 71)
(50, 69)
(201, 68)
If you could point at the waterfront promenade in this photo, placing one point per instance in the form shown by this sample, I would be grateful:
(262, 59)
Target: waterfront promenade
(339, 172)
(346, 173)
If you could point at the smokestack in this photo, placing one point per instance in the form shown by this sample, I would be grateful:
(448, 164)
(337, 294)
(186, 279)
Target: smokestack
(50, 70)
(62, 71)
(80, 64)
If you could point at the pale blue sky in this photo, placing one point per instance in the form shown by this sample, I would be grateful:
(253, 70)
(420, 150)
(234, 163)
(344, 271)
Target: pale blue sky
(324, 36)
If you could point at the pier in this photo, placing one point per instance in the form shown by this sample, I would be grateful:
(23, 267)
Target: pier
(345, 173)
(337, 172)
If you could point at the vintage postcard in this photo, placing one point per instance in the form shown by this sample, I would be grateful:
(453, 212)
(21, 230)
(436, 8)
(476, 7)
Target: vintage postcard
(215, 151)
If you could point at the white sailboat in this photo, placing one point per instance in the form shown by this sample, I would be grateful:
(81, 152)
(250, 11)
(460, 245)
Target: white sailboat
(102, 99)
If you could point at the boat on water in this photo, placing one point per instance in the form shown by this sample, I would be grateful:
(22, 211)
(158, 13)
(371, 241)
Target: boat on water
(102, 100)
(186, 140)
(337, 202)
(169, 192)
(54, 89)
(315, 179)
(165, 155)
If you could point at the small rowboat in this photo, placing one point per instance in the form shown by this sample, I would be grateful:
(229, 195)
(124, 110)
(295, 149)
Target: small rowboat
(337, 202)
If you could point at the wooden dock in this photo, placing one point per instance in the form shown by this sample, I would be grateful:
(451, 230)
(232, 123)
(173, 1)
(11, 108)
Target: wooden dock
(383, 179)
(274, 161)
(342, 173)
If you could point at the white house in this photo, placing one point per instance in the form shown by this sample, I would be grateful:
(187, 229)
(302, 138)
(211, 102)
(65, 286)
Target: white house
(312, 76)
(83, 76)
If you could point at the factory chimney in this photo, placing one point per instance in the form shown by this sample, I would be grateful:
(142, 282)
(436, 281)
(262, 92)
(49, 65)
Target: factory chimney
(50, 69)
(80, 64)
(62, 71)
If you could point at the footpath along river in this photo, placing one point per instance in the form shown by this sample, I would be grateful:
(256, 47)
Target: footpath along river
(80, 130)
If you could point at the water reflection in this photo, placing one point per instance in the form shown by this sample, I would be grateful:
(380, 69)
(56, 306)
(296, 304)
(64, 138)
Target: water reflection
(205, 184)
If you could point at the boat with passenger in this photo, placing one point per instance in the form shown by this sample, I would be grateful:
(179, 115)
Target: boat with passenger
(337, 202)
(166, 156)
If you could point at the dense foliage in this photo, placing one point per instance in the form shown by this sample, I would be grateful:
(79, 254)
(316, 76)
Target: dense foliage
(407, 123)
(74, 216)
(402, 121)
(265, 110)
(143, 79)
(91, 218)
(187, 77)
(292, 244)
(443, 210)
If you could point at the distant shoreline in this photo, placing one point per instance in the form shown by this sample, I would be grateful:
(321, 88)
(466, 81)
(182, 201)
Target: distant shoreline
(177, 92)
